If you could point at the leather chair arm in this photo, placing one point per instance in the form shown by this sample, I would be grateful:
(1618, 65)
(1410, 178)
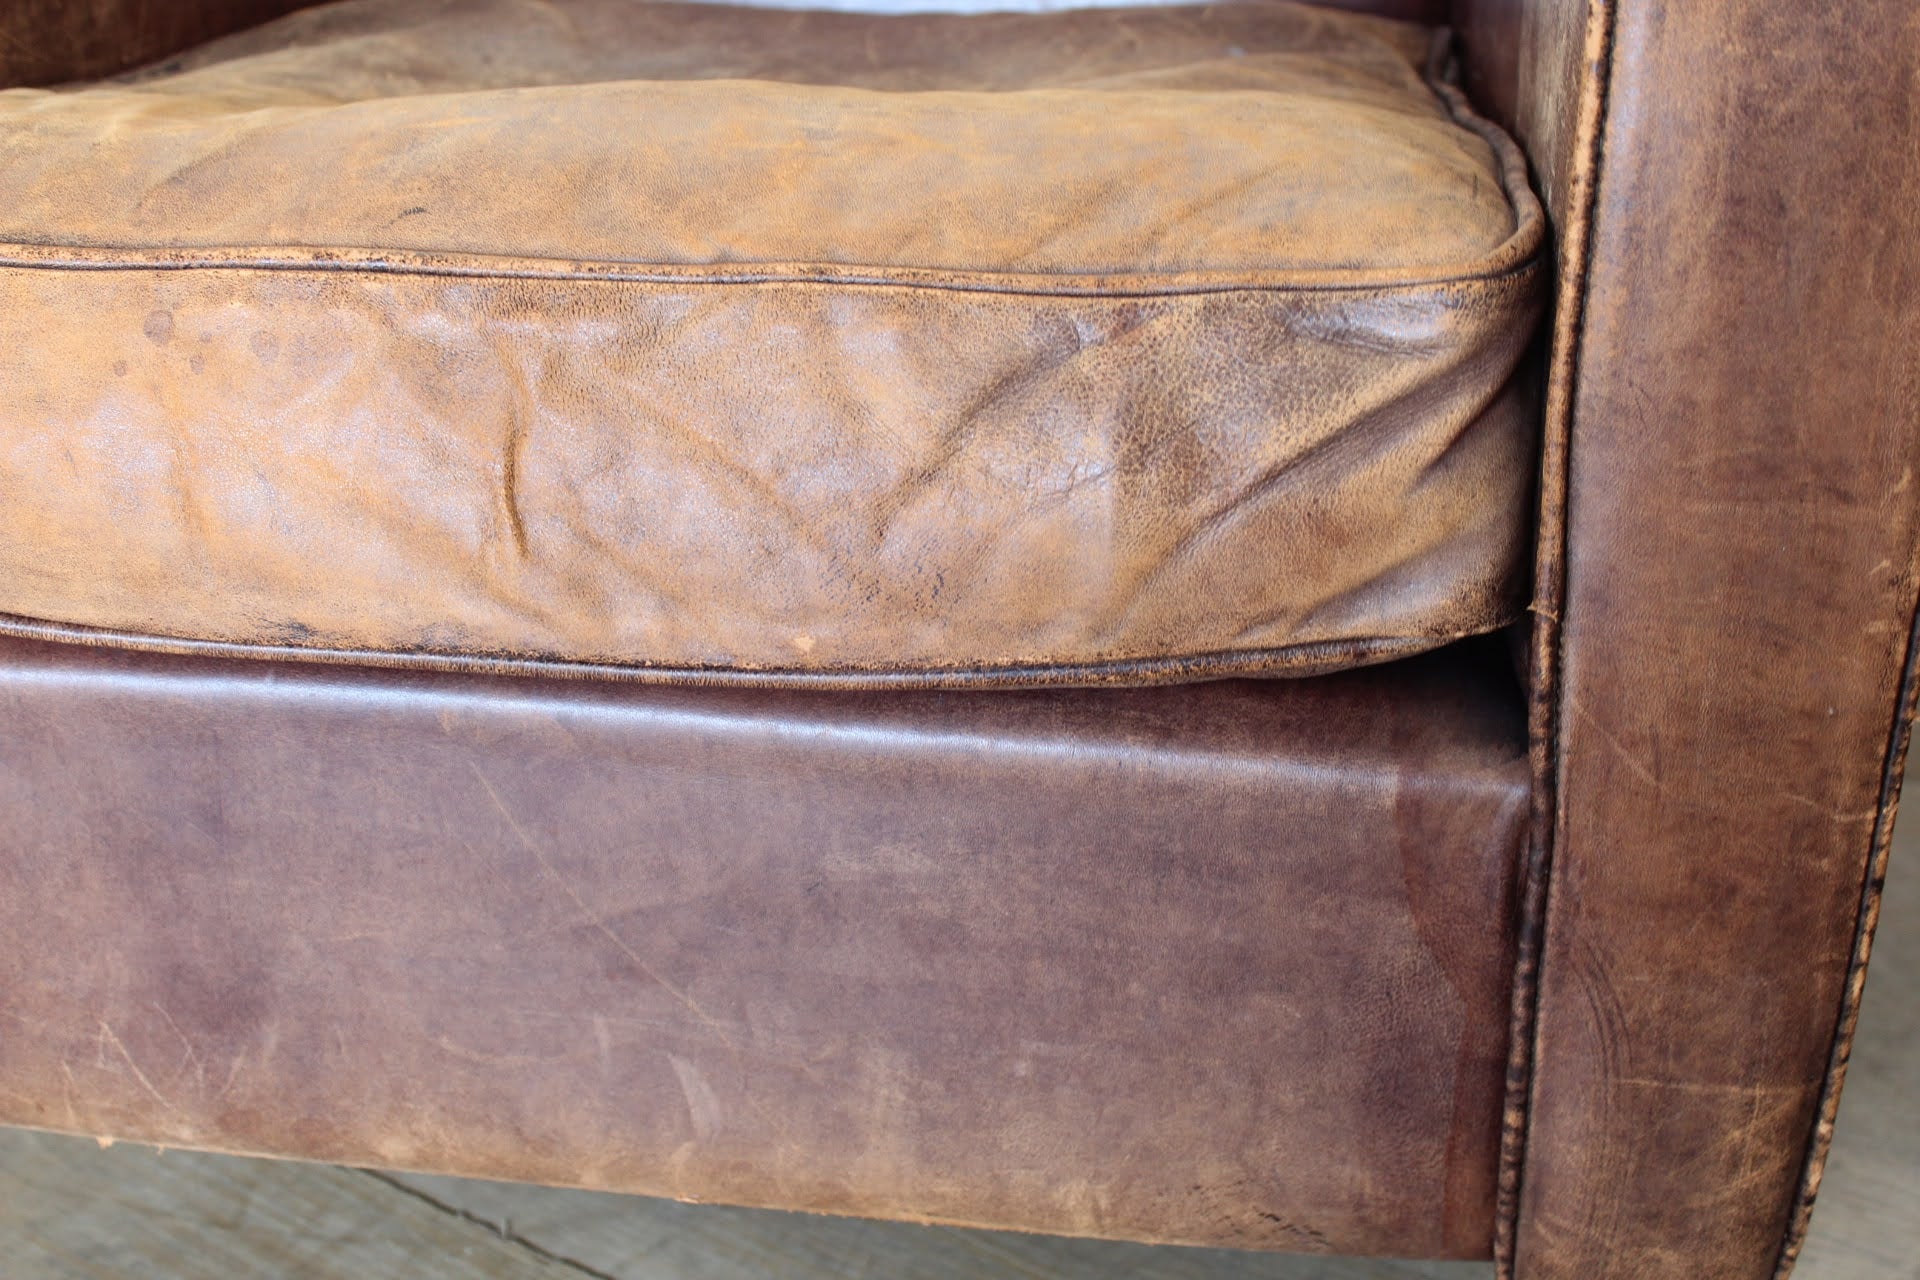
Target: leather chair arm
(1723, 667)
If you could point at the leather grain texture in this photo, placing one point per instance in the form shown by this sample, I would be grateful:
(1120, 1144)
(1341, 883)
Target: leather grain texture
(1728, 636)
(1219, 964)
(701, 343)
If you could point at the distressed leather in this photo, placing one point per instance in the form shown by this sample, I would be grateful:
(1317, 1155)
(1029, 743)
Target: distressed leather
(1719, 719)
(1730, 555)
(704, 343)
(1224, 963)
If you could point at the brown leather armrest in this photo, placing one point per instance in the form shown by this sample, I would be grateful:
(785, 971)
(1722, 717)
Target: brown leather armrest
(1723, 671)
(51, 41)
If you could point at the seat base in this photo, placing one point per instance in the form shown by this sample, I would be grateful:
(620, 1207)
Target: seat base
(1224, 965)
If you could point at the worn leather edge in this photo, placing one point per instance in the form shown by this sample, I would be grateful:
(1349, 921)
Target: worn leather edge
(1520, 252)
(1543, 702)
(1820, 1141)
(1292, 660)
(470, 266)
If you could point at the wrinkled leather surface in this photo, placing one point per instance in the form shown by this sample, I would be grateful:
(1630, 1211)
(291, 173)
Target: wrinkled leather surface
(1224, 963)
(711, 353)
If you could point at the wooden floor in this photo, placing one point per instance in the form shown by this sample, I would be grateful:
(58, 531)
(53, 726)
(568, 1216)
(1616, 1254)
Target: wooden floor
(71, 1209)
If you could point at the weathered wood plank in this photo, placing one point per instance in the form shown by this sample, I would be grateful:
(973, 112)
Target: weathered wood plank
(637, 1239)
(71, 1211)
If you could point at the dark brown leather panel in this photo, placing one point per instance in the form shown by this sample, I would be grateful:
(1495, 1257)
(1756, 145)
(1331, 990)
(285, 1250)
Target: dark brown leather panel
(1491, 39)
(1260, 414)
(50, 41)
(1224, 963)
(1739, 592)
(1534, 66)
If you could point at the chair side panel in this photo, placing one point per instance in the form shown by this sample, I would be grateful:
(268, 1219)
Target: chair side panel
(1743, 394)
(1223, 964)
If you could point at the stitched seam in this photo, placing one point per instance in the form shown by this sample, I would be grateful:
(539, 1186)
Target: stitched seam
(1879, 848)
(1549, 606)
(1517, 255)
(24, 257)
(1300, 659)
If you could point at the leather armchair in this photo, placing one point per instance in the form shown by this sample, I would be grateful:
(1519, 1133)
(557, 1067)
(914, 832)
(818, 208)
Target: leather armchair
(1412, 959)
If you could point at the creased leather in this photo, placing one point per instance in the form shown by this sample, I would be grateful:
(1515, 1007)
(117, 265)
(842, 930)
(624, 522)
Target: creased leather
(326, 339)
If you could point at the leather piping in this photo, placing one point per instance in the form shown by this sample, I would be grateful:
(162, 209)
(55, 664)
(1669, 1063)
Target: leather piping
(1820, 1141)
(1543, 710)
(1516, 256)
(1291, 660)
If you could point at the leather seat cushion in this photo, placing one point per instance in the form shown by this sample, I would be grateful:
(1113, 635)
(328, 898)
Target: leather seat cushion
(712, 343)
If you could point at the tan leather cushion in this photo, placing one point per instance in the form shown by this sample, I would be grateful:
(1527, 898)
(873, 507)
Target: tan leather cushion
(723, 343)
